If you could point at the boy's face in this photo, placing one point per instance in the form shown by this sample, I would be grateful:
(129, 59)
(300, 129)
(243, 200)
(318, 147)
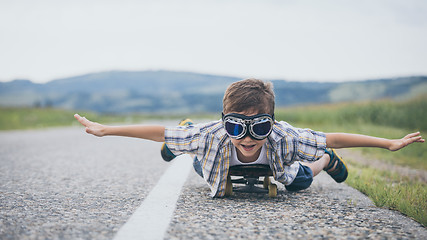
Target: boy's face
(248, 149)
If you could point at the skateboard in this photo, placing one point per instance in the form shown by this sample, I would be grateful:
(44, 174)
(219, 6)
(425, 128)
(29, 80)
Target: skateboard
(250, 177)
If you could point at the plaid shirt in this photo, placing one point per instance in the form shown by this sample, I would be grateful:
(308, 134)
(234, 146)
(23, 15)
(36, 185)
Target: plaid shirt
(212, 146)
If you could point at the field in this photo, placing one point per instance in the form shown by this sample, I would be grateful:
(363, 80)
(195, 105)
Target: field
(33, 118)
(389, 119)
(30, 118)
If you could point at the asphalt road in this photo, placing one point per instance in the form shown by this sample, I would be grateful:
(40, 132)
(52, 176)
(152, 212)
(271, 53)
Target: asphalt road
(64, 184)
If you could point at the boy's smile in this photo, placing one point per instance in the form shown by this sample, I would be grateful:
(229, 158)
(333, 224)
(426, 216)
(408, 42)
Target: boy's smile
(248, 149)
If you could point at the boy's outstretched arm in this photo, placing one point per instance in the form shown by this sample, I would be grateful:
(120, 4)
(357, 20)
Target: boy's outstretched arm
(347, 140)
(149, 132)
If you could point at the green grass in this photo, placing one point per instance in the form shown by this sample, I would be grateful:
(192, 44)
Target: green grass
(390, 190)
(31, 118)
(407, 115)
(26, 118)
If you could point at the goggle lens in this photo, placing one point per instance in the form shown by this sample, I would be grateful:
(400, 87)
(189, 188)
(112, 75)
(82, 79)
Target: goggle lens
(262, 128)
(233, 128)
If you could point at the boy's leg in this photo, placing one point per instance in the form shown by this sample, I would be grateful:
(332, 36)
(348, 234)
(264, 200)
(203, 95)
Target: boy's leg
(318, 166)
(303, 179)
(197, 167)
(167, 155)
(336, 167)
(332, 164)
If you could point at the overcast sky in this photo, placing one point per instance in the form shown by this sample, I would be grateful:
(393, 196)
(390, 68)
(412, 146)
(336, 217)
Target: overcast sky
(328, 40)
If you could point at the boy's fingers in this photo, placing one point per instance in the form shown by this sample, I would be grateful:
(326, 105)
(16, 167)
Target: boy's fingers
(415, 137)
(82, 120)
(411, 135)
(78, 117)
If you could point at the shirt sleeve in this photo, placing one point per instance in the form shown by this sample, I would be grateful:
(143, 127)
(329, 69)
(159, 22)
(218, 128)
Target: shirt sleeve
(309, 145)
(182, 139)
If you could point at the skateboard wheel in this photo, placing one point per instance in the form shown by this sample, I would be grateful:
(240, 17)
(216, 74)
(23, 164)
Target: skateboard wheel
(228, 187)
(272, 190)
(266, 182)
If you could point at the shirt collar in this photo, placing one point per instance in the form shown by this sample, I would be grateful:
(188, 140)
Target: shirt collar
(277, 134)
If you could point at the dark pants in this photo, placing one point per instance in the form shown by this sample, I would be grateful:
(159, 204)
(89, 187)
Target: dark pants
(303, 179)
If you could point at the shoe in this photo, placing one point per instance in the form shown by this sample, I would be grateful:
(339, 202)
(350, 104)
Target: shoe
(340, 173)
(167, 155)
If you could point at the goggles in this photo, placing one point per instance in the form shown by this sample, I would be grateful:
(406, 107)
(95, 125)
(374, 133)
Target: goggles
(239, 126)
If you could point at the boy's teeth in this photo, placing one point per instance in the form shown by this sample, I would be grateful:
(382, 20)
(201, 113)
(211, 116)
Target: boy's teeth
(248, 146)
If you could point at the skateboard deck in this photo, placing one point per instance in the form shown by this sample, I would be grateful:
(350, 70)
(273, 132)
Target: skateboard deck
(250, 178)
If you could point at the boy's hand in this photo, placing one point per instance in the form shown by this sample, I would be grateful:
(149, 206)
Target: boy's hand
(405, 141)
(91, 127)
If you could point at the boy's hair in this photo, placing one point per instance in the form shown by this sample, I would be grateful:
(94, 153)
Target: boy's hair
(249, 95)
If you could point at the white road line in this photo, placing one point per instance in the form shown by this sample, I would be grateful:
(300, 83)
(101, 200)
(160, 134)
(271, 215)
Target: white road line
(152, 218)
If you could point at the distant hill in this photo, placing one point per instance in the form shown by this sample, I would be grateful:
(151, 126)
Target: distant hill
(184, 92)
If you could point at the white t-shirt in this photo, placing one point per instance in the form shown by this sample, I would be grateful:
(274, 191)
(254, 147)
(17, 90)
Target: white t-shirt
(262, 159)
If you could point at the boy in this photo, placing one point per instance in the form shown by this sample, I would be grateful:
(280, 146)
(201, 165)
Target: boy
(249, 134)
